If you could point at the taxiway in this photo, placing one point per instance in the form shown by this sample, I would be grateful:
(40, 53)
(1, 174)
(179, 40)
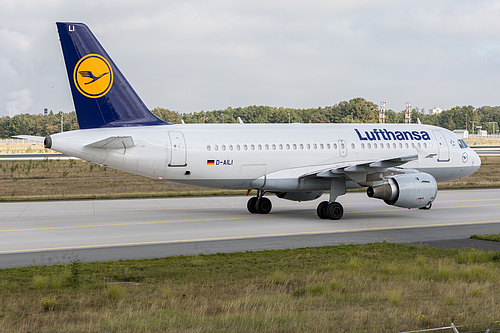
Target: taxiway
(98, 230)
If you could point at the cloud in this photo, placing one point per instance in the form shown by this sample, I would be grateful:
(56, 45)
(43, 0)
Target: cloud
(194, 55)
(19, 101)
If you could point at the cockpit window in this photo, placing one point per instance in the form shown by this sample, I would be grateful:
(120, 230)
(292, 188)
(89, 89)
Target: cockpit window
(462, 143)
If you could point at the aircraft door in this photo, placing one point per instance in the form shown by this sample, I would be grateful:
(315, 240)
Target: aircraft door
(342, 148)
(177, 149)
(443, 149)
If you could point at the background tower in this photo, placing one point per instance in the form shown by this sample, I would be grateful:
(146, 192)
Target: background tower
(381, 114)
(408, 113)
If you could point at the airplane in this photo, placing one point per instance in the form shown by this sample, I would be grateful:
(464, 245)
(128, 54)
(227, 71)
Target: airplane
(397, 163)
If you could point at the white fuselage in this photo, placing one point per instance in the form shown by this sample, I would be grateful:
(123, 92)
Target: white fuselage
(271, 157)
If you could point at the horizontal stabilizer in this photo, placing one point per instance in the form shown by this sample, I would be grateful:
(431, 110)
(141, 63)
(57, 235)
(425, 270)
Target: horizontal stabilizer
(30, 137)
(113, 142)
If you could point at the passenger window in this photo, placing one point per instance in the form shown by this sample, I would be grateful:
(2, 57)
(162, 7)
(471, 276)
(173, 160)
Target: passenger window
(209, 148)
(294, 146)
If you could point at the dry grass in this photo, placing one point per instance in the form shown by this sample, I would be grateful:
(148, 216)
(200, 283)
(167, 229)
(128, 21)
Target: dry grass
(483, 142)
(24, 148)
(52, 179)
(372, 288)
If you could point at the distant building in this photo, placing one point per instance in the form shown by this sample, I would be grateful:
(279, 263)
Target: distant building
(436, 110)
(464, 134)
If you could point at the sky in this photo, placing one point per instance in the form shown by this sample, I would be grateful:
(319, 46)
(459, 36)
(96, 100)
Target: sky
(190, 56)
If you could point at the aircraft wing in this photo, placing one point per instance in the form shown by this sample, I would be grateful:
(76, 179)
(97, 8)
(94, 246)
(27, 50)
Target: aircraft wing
(113, 142)
(359, 172)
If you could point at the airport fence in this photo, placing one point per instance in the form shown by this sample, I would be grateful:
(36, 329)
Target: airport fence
(14, 141)
(473, 328)
(479, 136)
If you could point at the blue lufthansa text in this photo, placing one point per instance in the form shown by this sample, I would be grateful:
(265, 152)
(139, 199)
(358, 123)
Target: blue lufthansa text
(384, 134)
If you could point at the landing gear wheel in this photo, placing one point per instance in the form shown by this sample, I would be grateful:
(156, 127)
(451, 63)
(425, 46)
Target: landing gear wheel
(334, 211)
(427, 207)
(251, 205)
(321, 211)
(263, 205)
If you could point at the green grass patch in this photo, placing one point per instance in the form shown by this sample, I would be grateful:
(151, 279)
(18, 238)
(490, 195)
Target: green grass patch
(348, 288)
(492, 237)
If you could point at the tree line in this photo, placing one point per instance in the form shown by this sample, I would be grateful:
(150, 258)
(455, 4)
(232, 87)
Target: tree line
(356, 110)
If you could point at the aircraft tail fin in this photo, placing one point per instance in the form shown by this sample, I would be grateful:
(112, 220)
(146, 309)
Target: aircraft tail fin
(101, 94)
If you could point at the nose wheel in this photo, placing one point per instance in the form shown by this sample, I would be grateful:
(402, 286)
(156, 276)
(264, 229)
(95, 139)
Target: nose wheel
(330, 210)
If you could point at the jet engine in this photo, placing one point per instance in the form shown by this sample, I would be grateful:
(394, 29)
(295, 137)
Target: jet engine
(300, 196)
(414, 190)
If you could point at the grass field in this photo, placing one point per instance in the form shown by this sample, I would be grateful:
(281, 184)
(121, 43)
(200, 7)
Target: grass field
(348, 288)
(75, 179)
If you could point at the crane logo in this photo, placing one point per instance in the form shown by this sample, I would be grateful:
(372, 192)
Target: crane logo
(93, 76)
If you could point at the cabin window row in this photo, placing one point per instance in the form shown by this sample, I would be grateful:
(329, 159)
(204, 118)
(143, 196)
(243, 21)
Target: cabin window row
(309, 146)
(280, 146)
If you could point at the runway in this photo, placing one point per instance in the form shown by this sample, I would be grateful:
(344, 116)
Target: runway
(97, 230)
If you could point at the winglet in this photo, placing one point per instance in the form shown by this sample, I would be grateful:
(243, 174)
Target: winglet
(101, 94)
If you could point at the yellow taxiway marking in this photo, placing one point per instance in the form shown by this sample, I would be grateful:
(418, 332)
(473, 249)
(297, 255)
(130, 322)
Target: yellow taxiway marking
(305, 233)
(159, 208)
(215, 219)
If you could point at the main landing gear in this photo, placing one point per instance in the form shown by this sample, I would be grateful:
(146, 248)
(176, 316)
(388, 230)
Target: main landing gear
(331, 209)
(259, 204)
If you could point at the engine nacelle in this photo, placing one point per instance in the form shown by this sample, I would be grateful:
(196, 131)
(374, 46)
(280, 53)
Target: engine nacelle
(300, 196)
(414, 190)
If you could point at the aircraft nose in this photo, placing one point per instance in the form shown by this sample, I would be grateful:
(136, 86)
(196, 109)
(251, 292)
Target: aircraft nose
(476, 160)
